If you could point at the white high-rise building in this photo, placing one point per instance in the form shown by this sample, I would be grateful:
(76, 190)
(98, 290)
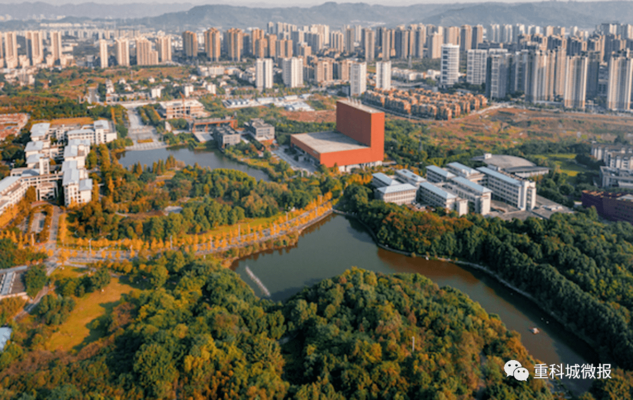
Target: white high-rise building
(497, 75)
(264, 73)
(123, 52)
(358, 78)
(292, 72)
(103, 53)
(56, 45)
(620, 82)
(476, 61)
(383, 75)
(576, 82)
(450, 65)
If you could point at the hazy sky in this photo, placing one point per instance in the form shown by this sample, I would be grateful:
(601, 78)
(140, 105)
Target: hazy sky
(270, 3)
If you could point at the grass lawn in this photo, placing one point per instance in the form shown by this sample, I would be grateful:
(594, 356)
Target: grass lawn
(566, 163)
(68, 272)
(75, 332)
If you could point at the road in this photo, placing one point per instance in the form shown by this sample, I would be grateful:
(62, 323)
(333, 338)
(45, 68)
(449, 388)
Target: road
(294, 164)
(141, 132)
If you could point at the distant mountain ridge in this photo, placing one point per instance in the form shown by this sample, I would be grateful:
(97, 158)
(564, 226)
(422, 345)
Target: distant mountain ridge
(582, 14)
(28, 10)
(181, 16)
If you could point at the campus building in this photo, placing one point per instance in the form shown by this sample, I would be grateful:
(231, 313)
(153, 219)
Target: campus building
(516, 192)
(189, 108)
(259, 130)
(436, 174)
(409, 177)
(401, 193)
(397, 191)
(98, 132)
(435, 196)
(478, 196)
(358, 141)
(611, 206)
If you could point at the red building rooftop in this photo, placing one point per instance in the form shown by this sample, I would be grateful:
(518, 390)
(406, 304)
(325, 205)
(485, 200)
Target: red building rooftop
(358, 141)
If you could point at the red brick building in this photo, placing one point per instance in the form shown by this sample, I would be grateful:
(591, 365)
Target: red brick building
(611, 206)
(359, 139)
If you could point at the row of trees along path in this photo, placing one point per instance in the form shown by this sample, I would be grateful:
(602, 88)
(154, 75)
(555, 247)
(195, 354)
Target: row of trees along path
(81, 250)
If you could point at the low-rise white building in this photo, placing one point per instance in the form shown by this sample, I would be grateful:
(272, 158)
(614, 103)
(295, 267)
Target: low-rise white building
(436, 174)
(77, 186)
(478, 196)
(432, 195)
(516, 192)
(460, 169)
(406, 176)
(400, 193)
(379, 180)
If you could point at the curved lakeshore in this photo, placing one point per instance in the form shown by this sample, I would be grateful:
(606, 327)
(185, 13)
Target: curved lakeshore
(338, 243)
(485, 269)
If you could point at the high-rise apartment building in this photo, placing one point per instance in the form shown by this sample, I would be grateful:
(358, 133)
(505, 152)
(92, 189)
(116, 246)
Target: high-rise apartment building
(477, 36)
(402, 43)
(419, 37)
(292, 72)
(284, 49)
(493, 33)
(122, 47)
(103, 53)
(385, 43)
(476, 61)
(452, 35)
(506, 34)
(56, 45)
(539, 76)
(560, 72)
(350, 35)
(190, 44)
(213, 44)
(256, 34)
(337, 41)
(449, 73)
(369, 44)
(383, 75)
(358, 78)
(342, 70)
(272, 45)
(497, 79)
(576, 82)
(264, 73)
(35, 50)
(163, 46)
(324, 71)
(620, 82)
(434, 48)
(10, 49)
(145, 54)
(260, 49)
(234, 39)
(466, 38)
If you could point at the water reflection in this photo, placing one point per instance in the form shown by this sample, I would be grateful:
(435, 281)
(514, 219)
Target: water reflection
(337, 243)
(212, 158)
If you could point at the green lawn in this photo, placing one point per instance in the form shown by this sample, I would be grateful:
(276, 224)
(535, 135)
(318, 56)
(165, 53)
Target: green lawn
(566, 163)
(76, 331)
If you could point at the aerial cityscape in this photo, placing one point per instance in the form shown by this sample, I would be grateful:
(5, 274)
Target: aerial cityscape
(316, 201)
